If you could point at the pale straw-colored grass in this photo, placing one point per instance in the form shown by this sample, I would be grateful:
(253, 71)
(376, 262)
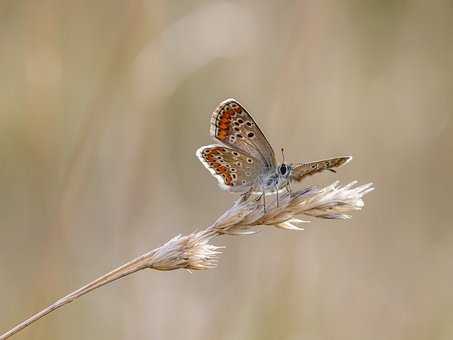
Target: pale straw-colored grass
(246, 216)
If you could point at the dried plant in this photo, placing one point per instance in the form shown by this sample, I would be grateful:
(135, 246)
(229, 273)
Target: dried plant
(194, 251)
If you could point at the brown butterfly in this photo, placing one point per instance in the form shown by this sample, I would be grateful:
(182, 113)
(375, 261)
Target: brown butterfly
(244, 161)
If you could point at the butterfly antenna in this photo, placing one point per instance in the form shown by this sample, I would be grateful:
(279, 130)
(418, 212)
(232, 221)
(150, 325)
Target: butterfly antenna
(283, 155)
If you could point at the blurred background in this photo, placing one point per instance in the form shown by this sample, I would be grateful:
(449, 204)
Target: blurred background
(103, 104)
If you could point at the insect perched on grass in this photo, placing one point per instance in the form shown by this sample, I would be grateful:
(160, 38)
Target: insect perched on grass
(245, 162)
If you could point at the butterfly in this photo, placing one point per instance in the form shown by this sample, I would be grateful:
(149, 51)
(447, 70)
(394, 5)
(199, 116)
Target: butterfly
(244, 161)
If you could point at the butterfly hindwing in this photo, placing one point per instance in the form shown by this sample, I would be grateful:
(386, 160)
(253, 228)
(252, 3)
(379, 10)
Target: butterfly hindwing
(233, 126)
(300, 171)
(234, 170)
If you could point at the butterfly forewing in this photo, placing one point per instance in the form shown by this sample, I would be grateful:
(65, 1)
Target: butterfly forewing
(300, 171)
(233, 126)
(234, 170)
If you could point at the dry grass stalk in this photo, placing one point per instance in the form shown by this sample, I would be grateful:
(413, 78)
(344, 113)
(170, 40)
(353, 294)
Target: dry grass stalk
(194, 251)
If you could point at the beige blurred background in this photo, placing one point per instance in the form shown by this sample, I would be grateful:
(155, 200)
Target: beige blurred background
(103, 104)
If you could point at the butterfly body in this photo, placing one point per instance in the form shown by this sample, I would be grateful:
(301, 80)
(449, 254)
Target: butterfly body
(244, 161)
(275, 179)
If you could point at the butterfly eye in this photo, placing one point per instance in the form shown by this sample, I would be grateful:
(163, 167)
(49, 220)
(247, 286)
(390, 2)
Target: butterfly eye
(283, 169)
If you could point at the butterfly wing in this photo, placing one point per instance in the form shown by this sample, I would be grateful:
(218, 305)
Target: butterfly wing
(234, 170)
(233, 126)
(301, 171)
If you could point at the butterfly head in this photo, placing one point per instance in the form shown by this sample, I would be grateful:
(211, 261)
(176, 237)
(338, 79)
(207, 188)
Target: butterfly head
(284, 171)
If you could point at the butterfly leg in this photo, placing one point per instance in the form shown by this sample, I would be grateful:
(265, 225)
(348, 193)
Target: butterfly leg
(262, 196)
(276, 192)
(246, 195)
(288, 187)
(259, 197)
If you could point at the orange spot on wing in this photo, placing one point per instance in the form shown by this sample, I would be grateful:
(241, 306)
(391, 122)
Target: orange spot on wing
(222, 134)
(224, 125)
(228, 180)
(222, 169)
